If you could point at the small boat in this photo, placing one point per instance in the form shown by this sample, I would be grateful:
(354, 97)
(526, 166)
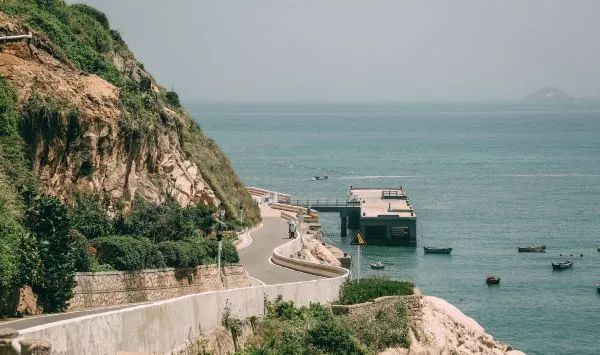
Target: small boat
(598, 287)
(492, 280)
(598, 250)
(378, 265)
(320, 178)
(430, 250)
(533, 249)
(562, 265)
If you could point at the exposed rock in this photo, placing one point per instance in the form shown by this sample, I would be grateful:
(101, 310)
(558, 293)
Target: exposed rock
(444, 329)
(28, 305)
(97, 158)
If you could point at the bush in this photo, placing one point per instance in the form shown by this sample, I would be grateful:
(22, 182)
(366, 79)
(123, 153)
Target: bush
(10, 232)
(128, 253)
(172, 99)
(287, 329)
(83, 259)
(386, 327)
(368, 289)
(89, 217)
(47, 219)
(180, 253)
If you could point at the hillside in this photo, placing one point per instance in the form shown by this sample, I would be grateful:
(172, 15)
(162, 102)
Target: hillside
(80, 112)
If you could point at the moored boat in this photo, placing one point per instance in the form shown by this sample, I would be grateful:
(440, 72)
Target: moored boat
(431, 250)
(533, 249)
(492, 280)
(378, 265)
(565, 264)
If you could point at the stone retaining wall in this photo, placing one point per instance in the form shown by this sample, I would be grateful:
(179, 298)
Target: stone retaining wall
(117, 287)
(412, 304)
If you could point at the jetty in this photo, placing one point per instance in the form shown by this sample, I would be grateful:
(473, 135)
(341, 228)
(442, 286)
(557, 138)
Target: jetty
(384, 216)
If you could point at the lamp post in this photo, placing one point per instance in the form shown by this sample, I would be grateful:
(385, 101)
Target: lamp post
(220, 246)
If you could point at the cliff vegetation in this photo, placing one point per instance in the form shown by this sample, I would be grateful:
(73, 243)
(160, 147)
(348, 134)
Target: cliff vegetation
(100, 167)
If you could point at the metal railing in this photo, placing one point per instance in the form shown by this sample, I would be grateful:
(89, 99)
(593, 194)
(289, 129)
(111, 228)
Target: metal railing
(326, 203)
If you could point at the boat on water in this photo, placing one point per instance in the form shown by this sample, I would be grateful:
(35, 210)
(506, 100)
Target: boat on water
(561, 265)
(431, 250)
(378, 265)
(320, 178)
(533, 249)
(598, 287)
(492, 280)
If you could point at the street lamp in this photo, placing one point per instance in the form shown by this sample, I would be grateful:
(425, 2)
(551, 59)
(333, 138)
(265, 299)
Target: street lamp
(220, 246)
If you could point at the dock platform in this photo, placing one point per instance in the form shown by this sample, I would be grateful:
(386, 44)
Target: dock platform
(384, 216)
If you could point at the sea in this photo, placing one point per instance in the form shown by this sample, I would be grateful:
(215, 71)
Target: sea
(484, 179)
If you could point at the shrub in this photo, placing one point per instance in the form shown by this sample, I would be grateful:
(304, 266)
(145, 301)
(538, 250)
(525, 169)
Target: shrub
(47, 219)
(128, 253)
(88, 216)
(83, 260)
(179, 254)
(384, 328)
(370, 288)
(333, 337)
(172, 99)
(10, 232)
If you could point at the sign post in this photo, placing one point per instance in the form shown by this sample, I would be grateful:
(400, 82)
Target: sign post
(359, 241)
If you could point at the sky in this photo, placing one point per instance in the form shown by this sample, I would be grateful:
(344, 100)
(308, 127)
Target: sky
(368, 50)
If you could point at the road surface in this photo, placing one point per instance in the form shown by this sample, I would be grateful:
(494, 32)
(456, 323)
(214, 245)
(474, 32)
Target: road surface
(255, 257)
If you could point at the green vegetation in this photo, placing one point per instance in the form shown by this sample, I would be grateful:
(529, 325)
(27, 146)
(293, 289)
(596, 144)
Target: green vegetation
(47, 219)
(370, 288)
(385, 327)
(286, 329)
(43, 240)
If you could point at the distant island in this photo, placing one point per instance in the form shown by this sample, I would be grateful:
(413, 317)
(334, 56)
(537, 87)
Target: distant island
(549, 94)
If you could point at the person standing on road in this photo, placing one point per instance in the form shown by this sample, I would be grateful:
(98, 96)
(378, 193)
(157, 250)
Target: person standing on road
(292, 229)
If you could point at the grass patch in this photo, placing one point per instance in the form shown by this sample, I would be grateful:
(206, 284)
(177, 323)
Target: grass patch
(368, 289)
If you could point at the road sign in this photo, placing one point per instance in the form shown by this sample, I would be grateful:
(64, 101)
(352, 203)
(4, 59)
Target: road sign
(359, 239)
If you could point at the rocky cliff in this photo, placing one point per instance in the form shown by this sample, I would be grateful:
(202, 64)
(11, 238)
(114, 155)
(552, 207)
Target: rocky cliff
(92, 118)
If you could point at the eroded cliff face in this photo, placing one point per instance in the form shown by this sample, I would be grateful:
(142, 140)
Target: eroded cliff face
(86, 148)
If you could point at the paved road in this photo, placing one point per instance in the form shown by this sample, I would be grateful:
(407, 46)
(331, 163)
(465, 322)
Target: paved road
(255, 257)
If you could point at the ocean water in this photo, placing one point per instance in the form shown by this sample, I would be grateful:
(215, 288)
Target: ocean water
(484, 178)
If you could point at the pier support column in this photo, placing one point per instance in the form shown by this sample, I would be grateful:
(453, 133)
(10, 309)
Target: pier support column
(344, 225)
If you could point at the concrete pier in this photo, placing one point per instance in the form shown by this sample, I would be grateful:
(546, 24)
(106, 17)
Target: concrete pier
(384, 216)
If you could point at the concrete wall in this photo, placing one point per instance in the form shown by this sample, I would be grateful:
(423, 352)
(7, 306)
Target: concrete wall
(102, 289)
(172, 324)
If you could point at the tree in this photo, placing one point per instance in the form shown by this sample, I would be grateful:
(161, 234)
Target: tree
(89, 217)
(47, 218)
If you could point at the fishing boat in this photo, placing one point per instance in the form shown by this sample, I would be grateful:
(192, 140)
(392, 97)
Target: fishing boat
(430, 250)
(533, 249)
(565, 264)
(378, 265)
(492, 280)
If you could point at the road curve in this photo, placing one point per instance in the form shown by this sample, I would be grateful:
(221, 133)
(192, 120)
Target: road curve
(255, 257)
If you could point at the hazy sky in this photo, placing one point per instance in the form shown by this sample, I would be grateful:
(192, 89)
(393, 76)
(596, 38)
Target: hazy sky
(267, 50)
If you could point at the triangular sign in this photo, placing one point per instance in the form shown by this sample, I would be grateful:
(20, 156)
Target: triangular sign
(359, 239)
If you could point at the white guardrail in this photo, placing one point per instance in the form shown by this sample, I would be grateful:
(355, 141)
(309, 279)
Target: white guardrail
(168, 325)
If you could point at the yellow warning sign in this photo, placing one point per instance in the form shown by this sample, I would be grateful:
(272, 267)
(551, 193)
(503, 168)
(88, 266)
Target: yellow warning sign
(359, 239)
